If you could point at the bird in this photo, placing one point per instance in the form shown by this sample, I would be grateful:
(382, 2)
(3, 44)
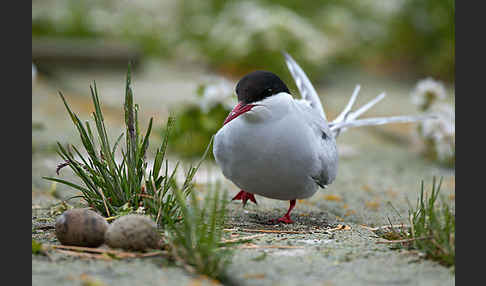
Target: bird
(282, 148)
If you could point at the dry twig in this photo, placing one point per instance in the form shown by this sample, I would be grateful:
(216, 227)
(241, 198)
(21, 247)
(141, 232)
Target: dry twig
(403, 240)
(242, 238)
(340, 227)
(84, 254)
(385, 227)
(98, 252)
(254, 246)
(272, 231)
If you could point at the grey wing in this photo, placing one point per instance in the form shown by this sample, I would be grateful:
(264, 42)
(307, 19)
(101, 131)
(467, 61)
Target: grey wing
(325, 146)
(327, 155)
(306, 89)
(328, 161)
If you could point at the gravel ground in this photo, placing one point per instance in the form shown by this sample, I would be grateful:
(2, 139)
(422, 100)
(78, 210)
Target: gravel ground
(331, 242)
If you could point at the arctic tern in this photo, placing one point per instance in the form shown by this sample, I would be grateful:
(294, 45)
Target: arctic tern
(283, 148)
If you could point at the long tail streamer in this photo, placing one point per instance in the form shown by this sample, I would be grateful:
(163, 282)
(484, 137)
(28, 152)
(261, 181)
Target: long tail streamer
(347, 118)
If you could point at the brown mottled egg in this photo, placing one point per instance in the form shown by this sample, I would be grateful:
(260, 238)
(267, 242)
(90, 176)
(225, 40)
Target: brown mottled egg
(133, 232)
(81, 227)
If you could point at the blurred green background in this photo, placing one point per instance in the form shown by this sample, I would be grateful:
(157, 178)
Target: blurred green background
(413, 37)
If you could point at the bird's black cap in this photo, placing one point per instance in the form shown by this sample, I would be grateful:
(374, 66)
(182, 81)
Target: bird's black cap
(258, 85)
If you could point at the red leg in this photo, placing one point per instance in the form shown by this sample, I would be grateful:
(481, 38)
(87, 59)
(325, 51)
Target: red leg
(245, 196)
(286, 218)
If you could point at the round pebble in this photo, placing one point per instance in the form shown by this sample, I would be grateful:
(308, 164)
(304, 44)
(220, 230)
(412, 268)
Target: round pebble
(81, 227)
(133, 232)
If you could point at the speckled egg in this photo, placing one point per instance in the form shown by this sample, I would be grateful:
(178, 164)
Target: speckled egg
(81, 227)
(133, 232)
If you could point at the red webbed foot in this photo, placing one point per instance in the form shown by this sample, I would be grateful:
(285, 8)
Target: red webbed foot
(286, 218)
(245, 196)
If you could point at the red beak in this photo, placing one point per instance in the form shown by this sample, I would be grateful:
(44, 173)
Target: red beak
(239, 109)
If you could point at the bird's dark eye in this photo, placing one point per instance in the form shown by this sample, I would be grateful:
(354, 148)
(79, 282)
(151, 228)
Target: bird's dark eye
(259, 85)
(324, 135)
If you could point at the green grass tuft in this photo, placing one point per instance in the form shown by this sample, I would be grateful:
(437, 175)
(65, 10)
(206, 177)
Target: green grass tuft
(116, 188)
(431, 230)
(197, 239)
(436, 223)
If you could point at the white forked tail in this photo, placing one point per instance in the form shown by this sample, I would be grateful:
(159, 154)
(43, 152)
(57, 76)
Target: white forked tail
(346, 118)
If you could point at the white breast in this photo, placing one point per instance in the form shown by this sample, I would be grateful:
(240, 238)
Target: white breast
(274, 158)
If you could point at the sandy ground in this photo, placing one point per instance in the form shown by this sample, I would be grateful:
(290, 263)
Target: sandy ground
(379, 174)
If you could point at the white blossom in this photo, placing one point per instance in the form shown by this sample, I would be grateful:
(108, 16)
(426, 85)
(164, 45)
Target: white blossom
(220, 91)
(427, 91)
(439, 135)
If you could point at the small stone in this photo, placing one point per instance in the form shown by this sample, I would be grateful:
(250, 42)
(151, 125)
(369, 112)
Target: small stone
(133, 232)
(81, 227)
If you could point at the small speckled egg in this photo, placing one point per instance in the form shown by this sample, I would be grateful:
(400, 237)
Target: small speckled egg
(81, 227)
(133, 232)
